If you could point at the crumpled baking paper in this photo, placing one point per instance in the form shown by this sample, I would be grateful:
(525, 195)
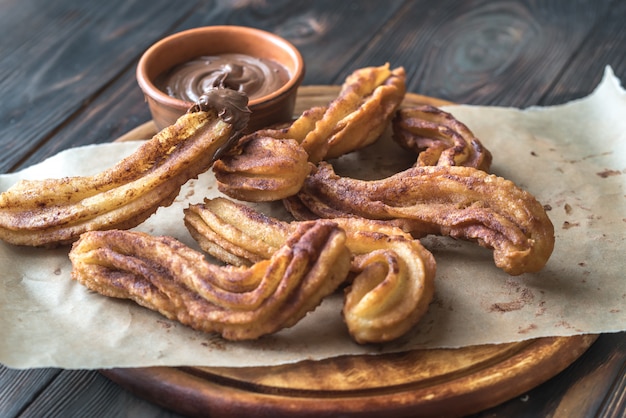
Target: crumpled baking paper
(572, 157)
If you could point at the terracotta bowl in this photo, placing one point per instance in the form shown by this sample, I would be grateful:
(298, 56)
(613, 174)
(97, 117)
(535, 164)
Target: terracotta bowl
(181, 47)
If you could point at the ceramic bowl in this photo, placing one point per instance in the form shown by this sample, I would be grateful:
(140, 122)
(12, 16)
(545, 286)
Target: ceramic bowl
(181, 47)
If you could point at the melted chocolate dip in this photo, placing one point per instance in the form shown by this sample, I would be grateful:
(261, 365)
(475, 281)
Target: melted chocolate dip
(255, 77)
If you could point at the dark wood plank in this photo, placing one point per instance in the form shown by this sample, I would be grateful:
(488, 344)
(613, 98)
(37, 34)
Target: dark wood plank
(475, 52)
(19, 387)
(318, 28)
(484, 52)
(56, 55)
(80, 393)
(310, 25)
(605, 45)
(112, 113)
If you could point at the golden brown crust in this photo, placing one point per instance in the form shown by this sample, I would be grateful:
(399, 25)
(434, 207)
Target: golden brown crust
(234, 233)
(393, 287)
(239, 303)
(461, 202)
(359, 115)
(439, 138)
(278, 169)
(56, 211)
(356, 118)
(393, 281)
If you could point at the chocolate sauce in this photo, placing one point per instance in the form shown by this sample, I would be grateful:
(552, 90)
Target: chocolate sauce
(256, 77)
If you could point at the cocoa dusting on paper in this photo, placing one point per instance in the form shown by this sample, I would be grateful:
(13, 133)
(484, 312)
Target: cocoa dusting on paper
(189, 192)
(541, 309)
(568, 208)
(568, 225)
(507, 306)
(527, 329)
(608, 173)
(214, 342)
(164, 324)
(567, 325)
(524, 297)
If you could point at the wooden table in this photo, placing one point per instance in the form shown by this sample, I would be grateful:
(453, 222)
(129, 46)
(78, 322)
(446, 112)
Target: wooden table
(67, 79)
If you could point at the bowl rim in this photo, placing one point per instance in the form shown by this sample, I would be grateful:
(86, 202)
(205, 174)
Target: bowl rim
(149, 89)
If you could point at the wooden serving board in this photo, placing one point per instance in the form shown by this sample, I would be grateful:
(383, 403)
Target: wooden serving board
(415, 383)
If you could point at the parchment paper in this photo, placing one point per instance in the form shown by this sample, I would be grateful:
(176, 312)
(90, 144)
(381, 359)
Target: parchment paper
(572, 157)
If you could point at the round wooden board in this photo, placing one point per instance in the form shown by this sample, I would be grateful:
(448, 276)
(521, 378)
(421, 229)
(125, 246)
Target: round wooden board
(416, 383)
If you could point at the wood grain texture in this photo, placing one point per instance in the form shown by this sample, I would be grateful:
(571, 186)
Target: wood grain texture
(18, 388)
(120, 106)
(605, 45)
(420, 383)
(317, 28)
(484, 52)
(86, 394)
(111, 113)
(69, 50)
(591, 387)
(85, 52)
